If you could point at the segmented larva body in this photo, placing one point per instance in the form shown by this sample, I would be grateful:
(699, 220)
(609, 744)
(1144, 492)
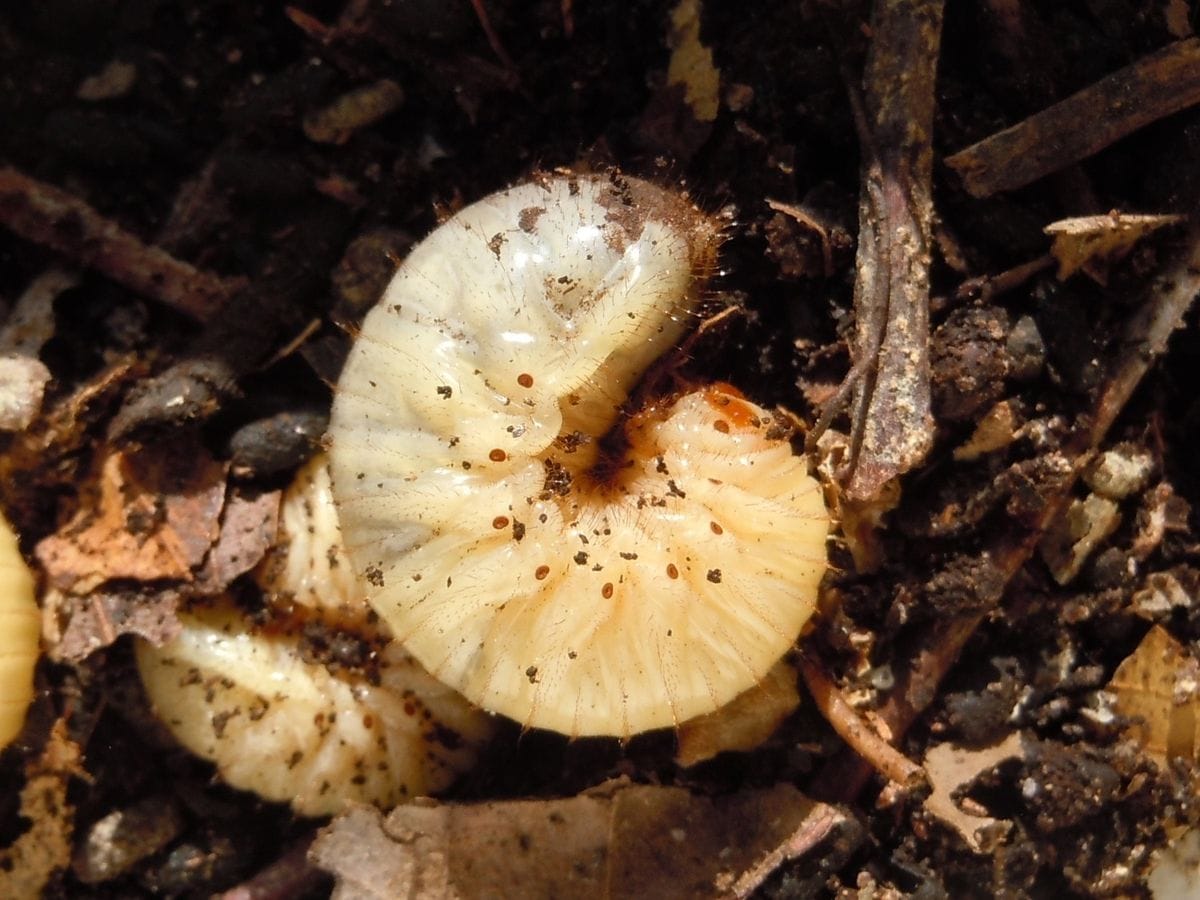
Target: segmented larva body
(293, 708)
(554, 559)
(20, 630)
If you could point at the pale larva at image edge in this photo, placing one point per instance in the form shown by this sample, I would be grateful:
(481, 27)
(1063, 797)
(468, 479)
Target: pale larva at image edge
(554, 560)
(20, 630)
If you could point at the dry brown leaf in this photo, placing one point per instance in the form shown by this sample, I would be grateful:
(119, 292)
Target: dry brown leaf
(249, 526)
(1159, 684)
(952, 768)
(1095, 243)
(743, 724)
(153, 515)
(26, 865)
(98, 619)
(617, 841)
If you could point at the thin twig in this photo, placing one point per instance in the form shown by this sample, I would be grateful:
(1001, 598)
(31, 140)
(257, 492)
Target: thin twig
(54, 218)
(854, 730)
(1083, 124)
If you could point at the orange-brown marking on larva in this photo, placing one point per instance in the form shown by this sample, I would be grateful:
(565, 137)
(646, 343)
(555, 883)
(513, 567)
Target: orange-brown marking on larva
(731, 402)
(525, 380)
(715, 528)
(541, 572)
(500, 522)
(672, 571)
(497, 455)
(607, 591)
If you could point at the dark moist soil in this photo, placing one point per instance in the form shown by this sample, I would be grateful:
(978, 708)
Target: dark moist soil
(215, 114)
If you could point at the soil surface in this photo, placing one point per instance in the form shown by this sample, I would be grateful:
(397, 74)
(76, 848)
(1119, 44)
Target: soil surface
(212, 130)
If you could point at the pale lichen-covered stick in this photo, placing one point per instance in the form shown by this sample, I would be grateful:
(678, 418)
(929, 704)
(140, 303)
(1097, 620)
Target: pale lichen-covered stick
(552, 554)
(20, 630)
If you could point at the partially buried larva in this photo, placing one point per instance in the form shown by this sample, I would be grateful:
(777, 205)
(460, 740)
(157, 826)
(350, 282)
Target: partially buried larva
(536, 546)
(20, 631)
(308, 702)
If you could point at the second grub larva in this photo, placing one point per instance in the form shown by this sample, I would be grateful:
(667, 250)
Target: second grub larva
(20, 631)
(552, 555)
(310, 704)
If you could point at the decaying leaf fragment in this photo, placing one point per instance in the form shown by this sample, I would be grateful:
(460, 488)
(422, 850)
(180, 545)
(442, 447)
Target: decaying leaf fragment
(951, 768)
(153, 515)
(1094, 243)
(1159, 684)
(619, 840)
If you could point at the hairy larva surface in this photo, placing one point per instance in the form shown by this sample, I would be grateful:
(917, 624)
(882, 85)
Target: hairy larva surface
(19, 635)
(535, 548)
(294, 706)
(308, 565)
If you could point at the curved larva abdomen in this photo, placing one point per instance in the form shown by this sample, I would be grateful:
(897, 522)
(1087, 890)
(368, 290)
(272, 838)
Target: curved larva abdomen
(20, 630)
(297, 725)
(553, 561)
(293, 731)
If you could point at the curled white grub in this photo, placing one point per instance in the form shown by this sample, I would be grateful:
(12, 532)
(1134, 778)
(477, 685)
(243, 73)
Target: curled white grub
(20, 633)
(310, 704)
(537, 546)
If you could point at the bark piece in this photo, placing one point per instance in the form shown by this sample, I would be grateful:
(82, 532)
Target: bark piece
(892, 424)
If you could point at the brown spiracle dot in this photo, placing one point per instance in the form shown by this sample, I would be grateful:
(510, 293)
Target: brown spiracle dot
(525, 380)
(607, 591)
(500, 522)
(722, 426)
(716, 529)
(497, 455)
(672, 572)
(541, 572)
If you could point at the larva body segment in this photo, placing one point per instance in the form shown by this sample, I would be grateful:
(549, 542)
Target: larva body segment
(554, 561)
(20, 630)
(310, 704)
(294, 731)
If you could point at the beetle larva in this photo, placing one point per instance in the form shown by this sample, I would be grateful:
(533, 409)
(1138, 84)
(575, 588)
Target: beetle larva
(311, 706)
(535, 545)
(20, 630)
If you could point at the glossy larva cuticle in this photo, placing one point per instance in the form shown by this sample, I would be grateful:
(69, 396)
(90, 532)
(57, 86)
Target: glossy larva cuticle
(297, 724)
(489, 384)
(20, 634)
